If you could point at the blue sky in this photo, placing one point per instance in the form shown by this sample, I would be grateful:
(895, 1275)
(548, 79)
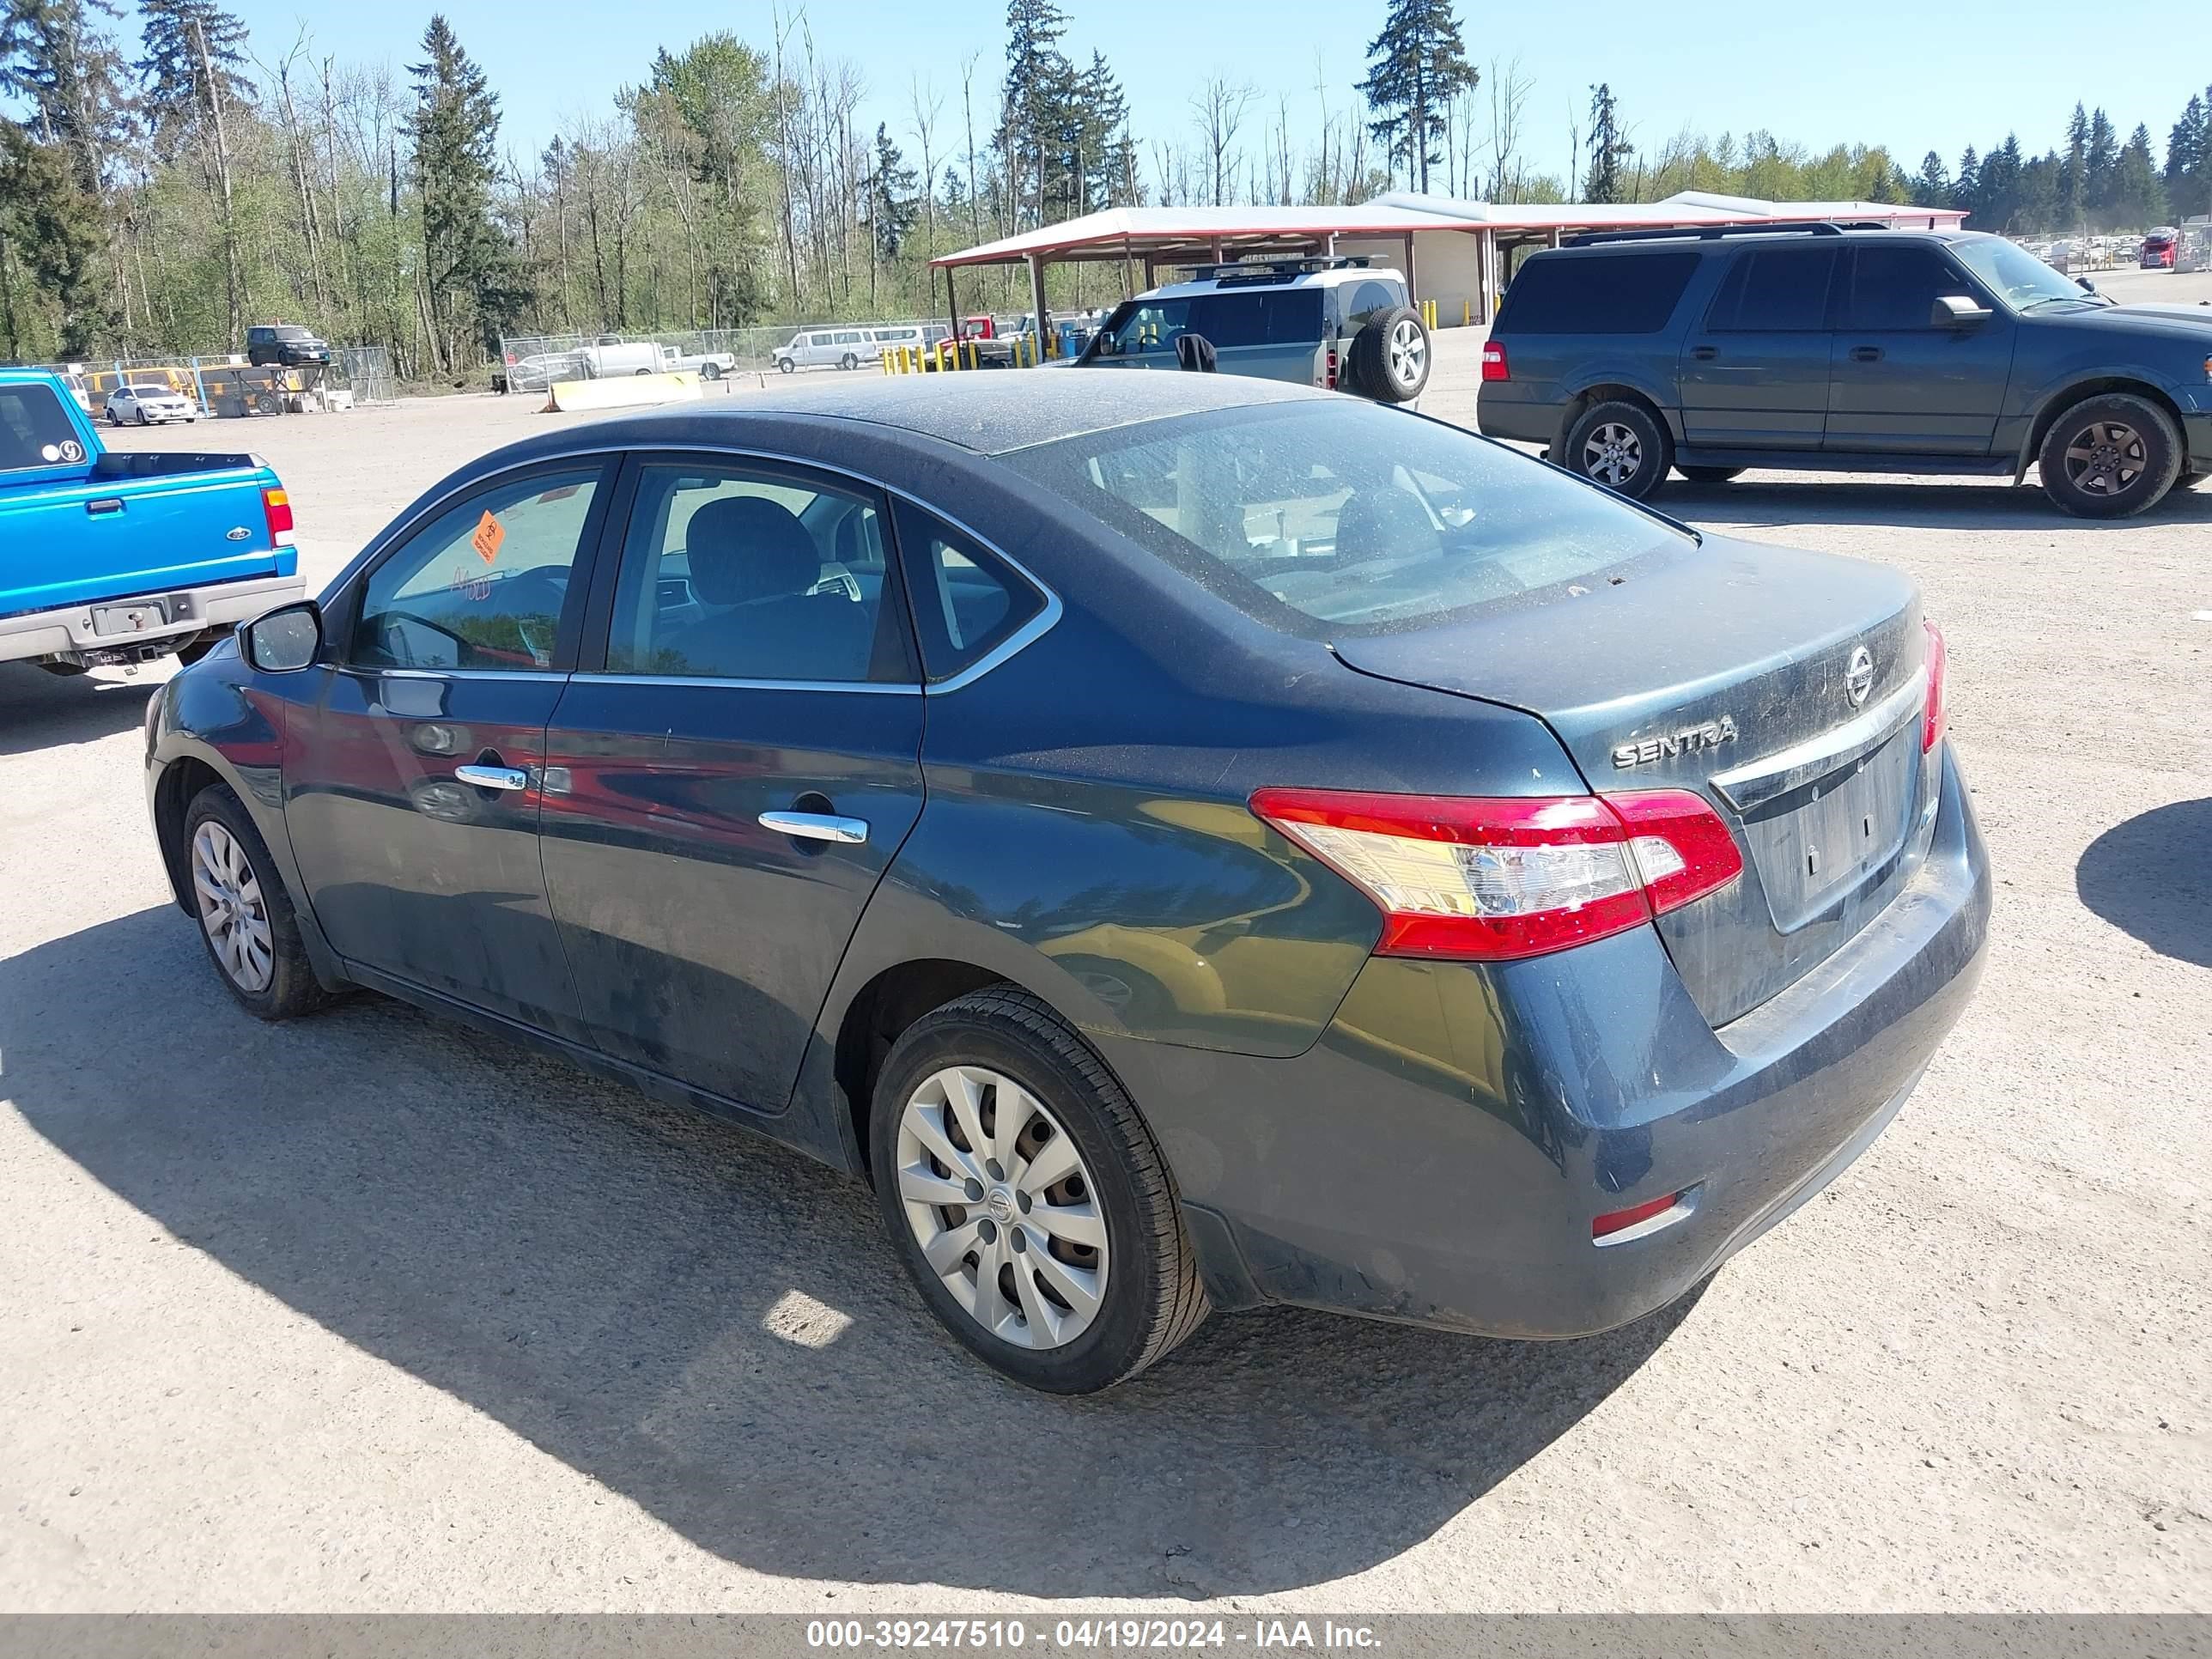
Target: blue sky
(1908, 73)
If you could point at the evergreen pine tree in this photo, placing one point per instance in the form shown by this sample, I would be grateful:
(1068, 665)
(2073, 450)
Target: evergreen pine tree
(196, 54)
(1415, 67)
(1608, 149)
(472, 284)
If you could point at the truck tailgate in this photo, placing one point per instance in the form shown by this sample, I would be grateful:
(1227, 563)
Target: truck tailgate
(128, 531)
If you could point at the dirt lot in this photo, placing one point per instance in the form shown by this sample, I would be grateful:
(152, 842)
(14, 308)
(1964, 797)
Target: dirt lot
(370, 1313)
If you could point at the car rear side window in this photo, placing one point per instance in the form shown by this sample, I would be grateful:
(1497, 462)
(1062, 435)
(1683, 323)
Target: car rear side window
(967, 603)
(1774, 290)
(35, 431)
(1263, 317)
(738, 573)
(1597, 293)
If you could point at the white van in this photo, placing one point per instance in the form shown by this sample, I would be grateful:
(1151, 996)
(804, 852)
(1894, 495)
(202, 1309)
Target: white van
(827, 348)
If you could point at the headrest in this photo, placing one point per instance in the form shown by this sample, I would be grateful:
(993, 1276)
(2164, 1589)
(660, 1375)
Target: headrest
(747, 547)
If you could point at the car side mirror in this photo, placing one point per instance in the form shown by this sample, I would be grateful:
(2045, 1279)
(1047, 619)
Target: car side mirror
(1957, 311)
(286, 641)
(2085, 285)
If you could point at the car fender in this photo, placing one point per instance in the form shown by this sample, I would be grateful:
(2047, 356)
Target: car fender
(2080, 373)
(1658, 392)
(214, 714)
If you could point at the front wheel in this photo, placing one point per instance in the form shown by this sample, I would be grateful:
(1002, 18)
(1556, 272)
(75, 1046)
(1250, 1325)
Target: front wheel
(245, 916)
(1621, 445)
(849, 361)
(2110, 457)
(1028, 1199)
(785, 365)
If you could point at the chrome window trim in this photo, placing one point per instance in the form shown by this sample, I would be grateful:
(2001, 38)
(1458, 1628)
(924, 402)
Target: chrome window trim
(370, 670)
(894, 688)
(1020, 639)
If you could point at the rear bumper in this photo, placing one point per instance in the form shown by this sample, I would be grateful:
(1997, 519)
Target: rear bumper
(69, 632)
(1438, 1156)
(1500, 414)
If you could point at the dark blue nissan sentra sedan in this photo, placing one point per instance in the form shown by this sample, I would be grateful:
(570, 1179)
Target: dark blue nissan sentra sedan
(1190, 842)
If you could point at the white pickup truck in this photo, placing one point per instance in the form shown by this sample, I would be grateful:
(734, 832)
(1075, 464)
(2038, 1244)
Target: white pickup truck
(612, 355)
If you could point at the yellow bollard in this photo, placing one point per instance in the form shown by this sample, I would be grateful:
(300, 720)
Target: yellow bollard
(1466, 313)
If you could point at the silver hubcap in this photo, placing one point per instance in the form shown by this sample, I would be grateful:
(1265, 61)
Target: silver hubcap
(2105, 458)
(231, 908)
(1003, 1206)
(1409, 350)
(1612, 454)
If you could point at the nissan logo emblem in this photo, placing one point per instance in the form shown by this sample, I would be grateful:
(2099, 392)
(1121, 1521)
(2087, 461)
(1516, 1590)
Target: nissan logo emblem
(1858, 678)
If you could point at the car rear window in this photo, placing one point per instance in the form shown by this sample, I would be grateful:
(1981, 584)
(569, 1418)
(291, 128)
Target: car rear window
(1596, 294)
(35, 431)
(1774, 290)
(1266, 317)
(1337, 517)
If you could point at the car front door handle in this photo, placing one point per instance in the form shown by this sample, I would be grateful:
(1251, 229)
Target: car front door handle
(493, 777)
(1866, 354)
(817, 826)
(1704, 354)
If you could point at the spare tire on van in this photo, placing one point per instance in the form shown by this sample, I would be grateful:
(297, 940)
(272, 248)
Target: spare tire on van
(1389, 358)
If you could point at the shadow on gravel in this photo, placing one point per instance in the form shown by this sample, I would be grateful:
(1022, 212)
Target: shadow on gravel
(38, 710)
(1753, 501)
(714, 1329)
(2152, 877)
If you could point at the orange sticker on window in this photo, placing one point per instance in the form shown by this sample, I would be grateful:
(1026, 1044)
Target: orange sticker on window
(491, 534)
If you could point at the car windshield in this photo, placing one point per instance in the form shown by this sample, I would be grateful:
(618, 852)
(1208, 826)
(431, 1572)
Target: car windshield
(1339, 512)
(2021, 278)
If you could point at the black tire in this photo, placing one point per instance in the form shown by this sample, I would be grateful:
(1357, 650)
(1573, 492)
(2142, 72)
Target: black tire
(2110, 457)
(291, 989)
(636, 373)
(267, 403)
(1709, 475)
(785, 364)
(1621, 447)
(1153, 1299)
(710, 371)
(849, 361)
(1389, 358)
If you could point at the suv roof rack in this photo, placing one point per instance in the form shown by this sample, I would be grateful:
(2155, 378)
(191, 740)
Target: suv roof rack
(1714, 232)
(1245, 271)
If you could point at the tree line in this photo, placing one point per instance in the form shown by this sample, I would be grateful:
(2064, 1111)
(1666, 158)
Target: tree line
(166, 178)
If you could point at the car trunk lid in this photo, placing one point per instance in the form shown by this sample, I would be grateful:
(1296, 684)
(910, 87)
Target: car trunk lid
(1787, 688)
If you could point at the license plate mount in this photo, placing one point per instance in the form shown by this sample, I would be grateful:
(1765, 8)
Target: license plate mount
(122, 620)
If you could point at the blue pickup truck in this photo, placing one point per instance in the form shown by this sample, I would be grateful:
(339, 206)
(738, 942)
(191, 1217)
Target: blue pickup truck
(107, 558)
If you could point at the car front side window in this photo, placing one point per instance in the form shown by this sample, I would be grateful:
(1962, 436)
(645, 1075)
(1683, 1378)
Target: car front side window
(484, 587)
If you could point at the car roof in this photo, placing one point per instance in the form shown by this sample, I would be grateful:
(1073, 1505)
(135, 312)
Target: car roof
(1692, 237)
(1339, 278)
(990, 412)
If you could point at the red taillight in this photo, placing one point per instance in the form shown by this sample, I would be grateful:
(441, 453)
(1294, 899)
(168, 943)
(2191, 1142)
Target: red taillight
(277, 506)
(1494, 366)
(1496, 878)
(1329, 370)
(1939, 662)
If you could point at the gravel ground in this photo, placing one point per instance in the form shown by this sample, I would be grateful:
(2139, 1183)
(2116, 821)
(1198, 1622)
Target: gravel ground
(370, 1313)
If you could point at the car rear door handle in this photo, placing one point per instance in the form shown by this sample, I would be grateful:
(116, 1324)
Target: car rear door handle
(817, 826)
(1704, 354)
(105, 504)
(1866, 354)
(493, 777)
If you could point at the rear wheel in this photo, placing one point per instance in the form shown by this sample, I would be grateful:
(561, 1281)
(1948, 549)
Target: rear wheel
(849, 361)
(1709, 475)
(1028, 1199)
(710, 371)
(2110, 457)
(245, 915)
(1621, 445)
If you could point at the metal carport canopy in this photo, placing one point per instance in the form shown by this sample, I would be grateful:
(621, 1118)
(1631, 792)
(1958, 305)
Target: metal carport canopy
(1157, 233)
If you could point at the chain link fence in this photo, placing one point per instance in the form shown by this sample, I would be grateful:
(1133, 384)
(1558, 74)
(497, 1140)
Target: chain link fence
(227, 385)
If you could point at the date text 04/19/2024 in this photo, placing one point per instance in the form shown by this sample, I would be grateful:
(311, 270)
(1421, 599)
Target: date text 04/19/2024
(1084, 1635)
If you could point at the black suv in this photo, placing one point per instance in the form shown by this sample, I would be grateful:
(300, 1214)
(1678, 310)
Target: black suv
(1845, 348)
(284, 345)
